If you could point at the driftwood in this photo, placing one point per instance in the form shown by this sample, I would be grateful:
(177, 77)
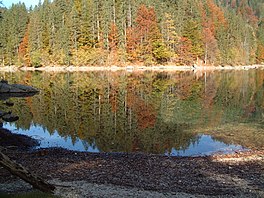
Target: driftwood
(18, 170)
(13, 167)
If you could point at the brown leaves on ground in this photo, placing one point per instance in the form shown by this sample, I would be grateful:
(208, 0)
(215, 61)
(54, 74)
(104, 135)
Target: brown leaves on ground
(240, 174)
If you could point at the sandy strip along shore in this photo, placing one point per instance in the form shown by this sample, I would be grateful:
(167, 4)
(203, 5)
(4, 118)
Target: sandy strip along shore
(128, 68)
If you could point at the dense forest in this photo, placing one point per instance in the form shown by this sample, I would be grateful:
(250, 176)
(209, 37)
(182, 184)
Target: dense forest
(121, 32)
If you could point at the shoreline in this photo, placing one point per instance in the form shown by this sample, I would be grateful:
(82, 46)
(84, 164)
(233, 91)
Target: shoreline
(79, 174)
(128, 68)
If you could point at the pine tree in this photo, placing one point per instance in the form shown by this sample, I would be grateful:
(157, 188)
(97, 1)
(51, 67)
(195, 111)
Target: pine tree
(260, 50)
(14, 24)
(87, 38)
(192, 31)
(74, 21)
(170, 36)
(80, 32)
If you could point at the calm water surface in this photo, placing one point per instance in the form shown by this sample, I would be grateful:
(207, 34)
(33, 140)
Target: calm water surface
(176, 113)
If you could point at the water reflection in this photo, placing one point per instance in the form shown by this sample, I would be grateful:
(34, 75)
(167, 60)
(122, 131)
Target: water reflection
(47, 139)
(144, 112)
(206, 145)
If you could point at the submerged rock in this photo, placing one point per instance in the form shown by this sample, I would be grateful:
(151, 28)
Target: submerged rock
(10, 118)
(9, 103)
(2, 113)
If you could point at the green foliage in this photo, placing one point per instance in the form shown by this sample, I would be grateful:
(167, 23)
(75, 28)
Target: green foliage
(160, 52)
(150, 32)
(13, 26)
(192, 31)
(92, 57)
(36, 59)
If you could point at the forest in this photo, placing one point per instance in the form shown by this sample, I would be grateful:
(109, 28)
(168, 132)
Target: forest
(132, 32)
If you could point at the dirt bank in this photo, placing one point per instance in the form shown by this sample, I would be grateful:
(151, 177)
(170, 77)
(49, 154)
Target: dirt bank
(82, 174)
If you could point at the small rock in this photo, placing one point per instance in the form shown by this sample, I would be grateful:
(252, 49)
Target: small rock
(2, 113)
(9, 103)
(4, 81)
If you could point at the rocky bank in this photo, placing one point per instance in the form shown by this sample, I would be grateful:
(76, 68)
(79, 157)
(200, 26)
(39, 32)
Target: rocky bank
(83, 174)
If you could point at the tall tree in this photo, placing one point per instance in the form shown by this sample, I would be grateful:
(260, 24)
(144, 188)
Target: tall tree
(151, 32)
(113, 43)
(23, 51)
(14, 25)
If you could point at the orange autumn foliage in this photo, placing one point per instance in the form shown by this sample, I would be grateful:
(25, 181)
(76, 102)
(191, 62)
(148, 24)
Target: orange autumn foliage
(261, 53)
(23, 51)
(113, 43)
(140, 38)
(146, 114)
(217, 14)
(248, 13)
(184, 51)
(131, 44)
(209, 32)
(113, 37)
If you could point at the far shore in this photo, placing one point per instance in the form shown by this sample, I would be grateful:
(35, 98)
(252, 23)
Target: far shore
(129, 68)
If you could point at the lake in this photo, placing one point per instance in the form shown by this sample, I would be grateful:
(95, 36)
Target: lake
(181, 113)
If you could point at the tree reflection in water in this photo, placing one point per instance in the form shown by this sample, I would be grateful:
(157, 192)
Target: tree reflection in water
(142, 111)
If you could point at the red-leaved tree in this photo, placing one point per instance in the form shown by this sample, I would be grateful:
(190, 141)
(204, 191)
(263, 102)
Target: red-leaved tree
(23, 50)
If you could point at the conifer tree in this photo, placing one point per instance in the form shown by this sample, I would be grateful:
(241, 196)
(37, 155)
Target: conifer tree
(62, 32)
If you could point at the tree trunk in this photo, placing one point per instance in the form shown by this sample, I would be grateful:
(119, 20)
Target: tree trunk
(21, 172)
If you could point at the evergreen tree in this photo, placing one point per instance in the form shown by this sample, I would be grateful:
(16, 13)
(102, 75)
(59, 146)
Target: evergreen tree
(260, 50)
(14, 23)
(89, 32)
(192, 31)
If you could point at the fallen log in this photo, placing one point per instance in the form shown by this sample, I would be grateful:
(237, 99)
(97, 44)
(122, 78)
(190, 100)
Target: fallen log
(18, 170)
